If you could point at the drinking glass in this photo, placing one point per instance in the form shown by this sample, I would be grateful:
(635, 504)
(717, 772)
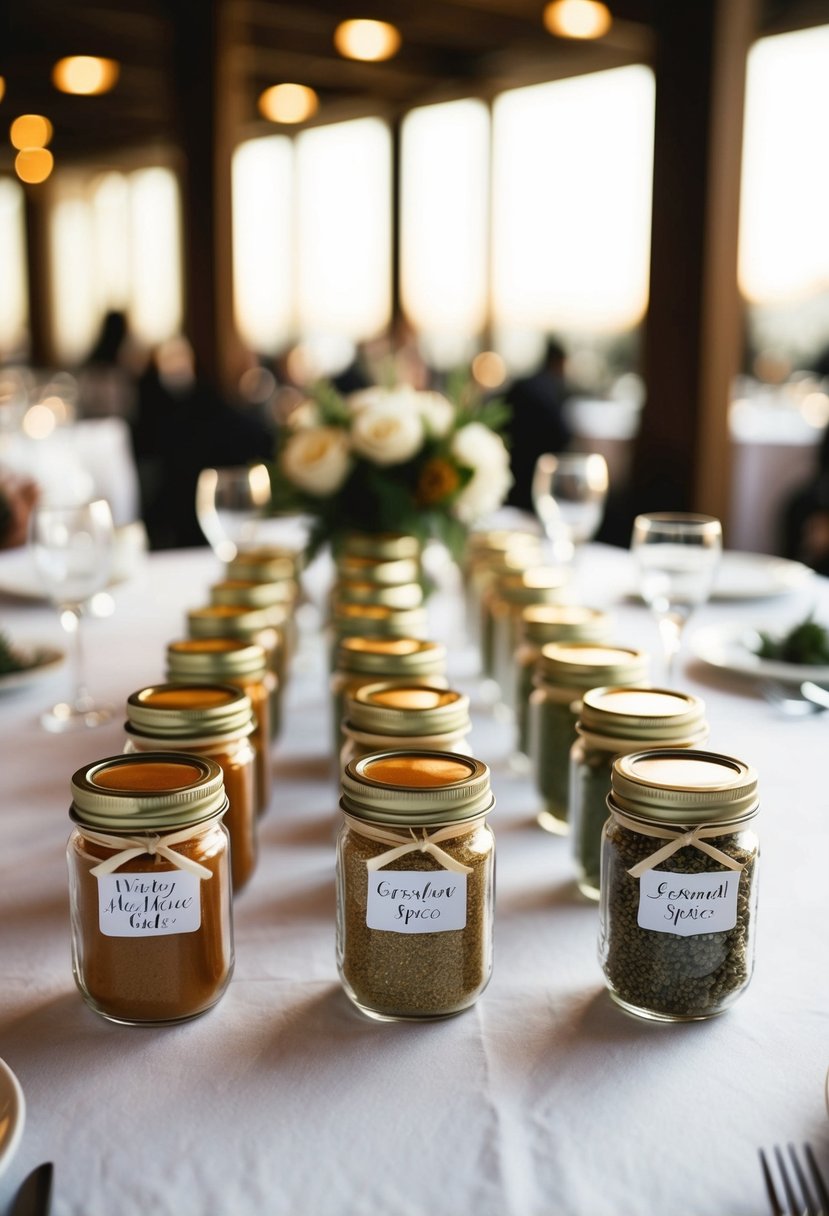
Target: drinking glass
(569, 493)
(72, 547)
(677, 555)
(229, 504)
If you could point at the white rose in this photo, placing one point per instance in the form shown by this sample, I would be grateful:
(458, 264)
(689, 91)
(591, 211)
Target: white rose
(304, 414)
(317, 459)
(387, 433)
(365, 398)
(478, 448)
(437, 413)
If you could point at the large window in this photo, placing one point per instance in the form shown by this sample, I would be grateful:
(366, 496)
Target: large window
(14, 296)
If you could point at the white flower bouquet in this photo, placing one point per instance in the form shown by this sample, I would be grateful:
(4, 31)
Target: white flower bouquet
(393, 460)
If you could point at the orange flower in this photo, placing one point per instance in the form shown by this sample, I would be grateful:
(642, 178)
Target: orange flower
(438, 479)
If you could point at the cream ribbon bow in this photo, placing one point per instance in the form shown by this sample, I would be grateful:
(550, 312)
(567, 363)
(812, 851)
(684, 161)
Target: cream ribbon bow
(413, 843)
(136, 846)
(695, 838)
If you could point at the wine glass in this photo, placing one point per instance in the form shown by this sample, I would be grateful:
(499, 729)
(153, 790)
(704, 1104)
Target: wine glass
(229, 504)
(677, 554)
(569, 493)
(73, 547)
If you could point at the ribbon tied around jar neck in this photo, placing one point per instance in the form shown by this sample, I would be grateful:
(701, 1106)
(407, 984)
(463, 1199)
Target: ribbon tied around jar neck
(414, 843)
(130, 847)
(695, 838)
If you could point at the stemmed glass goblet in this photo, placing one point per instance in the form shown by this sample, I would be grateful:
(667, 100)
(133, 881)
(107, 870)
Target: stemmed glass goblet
(229, 504)
(72, 547)
(677, 554)
(569, 493)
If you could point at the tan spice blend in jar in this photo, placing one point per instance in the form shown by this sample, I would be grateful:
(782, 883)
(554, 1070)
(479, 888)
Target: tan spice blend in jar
(149, 877)
(415, 875)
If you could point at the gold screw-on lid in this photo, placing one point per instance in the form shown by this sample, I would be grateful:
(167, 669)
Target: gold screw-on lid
(265, 565)
(151, 791)
(500, 540)
(188, 711)
(250, 593)
(535, 585)
(396, 595)
(675, 786)
(213, 658)
(391, 656)
(542, 623)
(396, 708)
(654, 715)
(580, 665)
(384, 546)
(411, 788)
(387, 572)
(228, 620)
(374, 619)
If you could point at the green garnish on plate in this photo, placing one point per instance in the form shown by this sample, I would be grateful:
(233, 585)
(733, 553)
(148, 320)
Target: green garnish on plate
(806, 643)
(10, 659)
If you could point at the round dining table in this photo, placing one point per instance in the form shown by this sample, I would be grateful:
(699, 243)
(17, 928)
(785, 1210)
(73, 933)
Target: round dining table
(542, 1099)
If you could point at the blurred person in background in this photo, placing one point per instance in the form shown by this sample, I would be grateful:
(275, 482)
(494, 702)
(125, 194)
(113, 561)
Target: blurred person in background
(538, 422)
(804, 521)
(18, 497)
(106, 382)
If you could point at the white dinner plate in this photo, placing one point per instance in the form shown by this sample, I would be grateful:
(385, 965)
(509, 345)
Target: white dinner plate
(12, 1114)
(42, 661)
(731, 647)
(750, 576)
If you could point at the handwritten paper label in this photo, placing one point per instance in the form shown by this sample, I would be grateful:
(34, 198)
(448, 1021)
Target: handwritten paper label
(149, 905)
(416, 901)
(687, 904)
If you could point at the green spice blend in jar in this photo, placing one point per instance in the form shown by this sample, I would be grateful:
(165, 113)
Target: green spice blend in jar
(213, 720)
(243, 664)
(613, 722)
(510, 595)
(679, 883)
(405, 716)
(563, 674)
(415, 874)
(149, 884)
(360, 661)
(538, 625)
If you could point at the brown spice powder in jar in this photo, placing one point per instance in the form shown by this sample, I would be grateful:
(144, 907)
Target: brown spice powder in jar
(151, 978)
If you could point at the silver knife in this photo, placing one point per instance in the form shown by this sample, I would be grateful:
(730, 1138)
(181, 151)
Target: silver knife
(35, 1195)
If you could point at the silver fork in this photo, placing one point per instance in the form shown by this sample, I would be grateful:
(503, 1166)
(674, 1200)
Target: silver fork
(790, 702)
(803, 1196)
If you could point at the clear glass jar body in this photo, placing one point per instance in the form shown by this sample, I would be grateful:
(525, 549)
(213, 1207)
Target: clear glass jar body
(553, 715)
(526, 657)
(360, 743)
(236, 758)
(395, 976)
(664, 976)
(152, 979)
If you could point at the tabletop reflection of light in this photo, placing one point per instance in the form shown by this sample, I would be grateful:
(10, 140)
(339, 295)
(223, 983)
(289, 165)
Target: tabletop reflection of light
(86, 75)
(288, 103)
(33, 165)
(489, 369)
(30, 131)
(577, 18)
(370, 41)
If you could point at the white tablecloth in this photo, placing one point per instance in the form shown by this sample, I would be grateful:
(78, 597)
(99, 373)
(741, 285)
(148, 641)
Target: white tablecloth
(543, 1099)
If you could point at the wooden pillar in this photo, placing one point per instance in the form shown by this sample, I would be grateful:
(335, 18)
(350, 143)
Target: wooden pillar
(41, 329)
(694, 329)
(206, 102)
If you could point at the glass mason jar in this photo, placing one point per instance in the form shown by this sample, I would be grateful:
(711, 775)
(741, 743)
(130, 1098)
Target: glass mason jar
(213, 720)
(538, 625)
(563, 674)
(393, 595)
(245, 666)
(415, 869)
(412, 717)
(614, 722)
(278, 599)
(491, 576)
(383, 572)
(266, 564)
(510, 595)
(374, 621)
(149, 887)
(488, 553)
(248, 625)
(360, 661)
(679, 883)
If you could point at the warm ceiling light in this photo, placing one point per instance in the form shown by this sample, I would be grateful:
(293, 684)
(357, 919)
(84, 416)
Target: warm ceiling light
(85, 74)
(33, 165)
(489, 369)
(577, 18)
(367, 40)
(2, 88)
(30, 131)
(288, 103)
